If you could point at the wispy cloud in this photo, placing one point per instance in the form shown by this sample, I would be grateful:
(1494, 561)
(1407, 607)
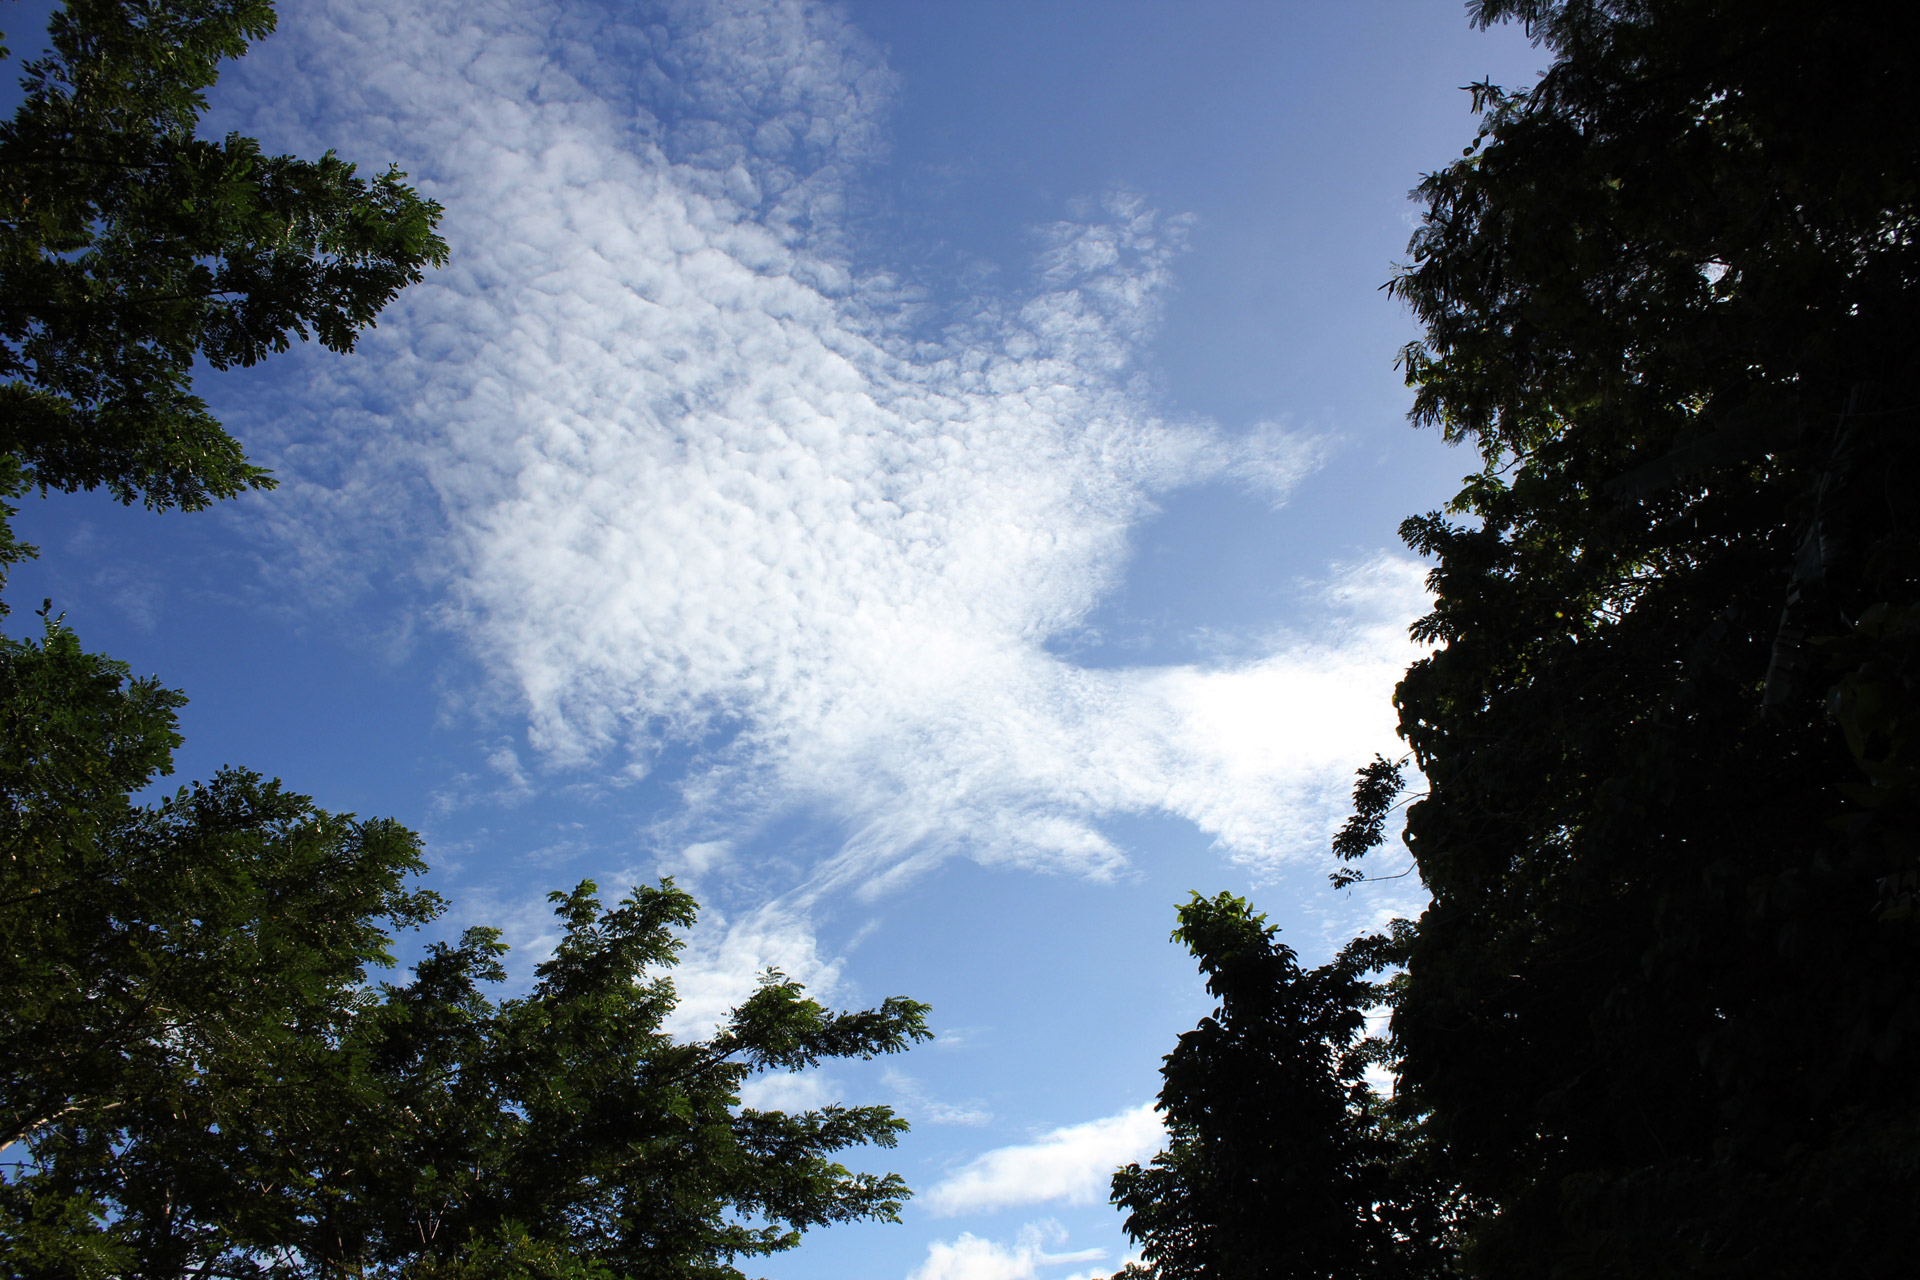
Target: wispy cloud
(664, 450)
(1073, 1164)
(917, 1104)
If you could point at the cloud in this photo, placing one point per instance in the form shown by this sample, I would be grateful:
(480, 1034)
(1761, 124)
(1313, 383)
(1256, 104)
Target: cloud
(918, 1105)
(664, 448)
(971, 1258)
(789, 1091)
(726, 955)
(1272, 461)
(694, 861)
(1073, 1164)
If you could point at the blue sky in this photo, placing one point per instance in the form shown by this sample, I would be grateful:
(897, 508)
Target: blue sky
(924, 475)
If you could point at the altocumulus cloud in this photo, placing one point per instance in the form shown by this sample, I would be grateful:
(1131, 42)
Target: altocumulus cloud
(675, 465)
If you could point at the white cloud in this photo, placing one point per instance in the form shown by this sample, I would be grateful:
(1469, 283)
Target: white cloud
(670, 461)
(1073, 1164)
(971, 1258)
(1104, 1272)
(789, 1091)
(696, 860)
(725, 957)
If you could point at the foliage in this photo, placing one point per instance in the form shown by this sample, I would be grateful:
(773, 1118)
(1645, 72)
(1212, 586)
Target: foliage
(1660, 1018)
(1281, 1160)
(202, 1082)
(568, 1121)
(129, 249)
(170, 971)
(1656, 1009)
(1379, 786)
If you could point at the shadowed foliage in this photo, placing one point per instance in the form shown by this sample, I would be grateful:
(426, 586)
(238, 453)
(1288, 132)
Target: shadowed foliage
(1661, 1018)
(1282, 1161)
(1655, 1006)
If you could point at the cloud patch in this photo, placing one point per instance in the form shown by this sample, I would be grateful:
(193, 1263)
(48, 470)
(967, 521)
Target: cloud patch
(789, 1091)
(665, 448)
(971, 1258)
(1073, 1164)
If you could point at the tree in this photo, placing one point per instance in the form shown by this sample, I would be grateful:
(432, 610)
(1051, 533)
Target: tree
(165, 966)
(1660, 1018)
(1660, 1015)
(129, 248)
(197, 1078)
(568, 1122)
(1281, 1160)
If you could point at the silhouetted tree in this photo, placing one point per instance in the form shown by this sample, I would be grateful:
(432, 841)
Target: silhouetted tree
(1661, 1016)
(1282, 1162)
(1658, 1007)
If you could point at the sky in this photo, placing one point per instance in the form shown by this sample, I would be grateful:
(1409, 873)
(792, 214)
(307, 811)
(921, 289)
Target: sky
(924, 476)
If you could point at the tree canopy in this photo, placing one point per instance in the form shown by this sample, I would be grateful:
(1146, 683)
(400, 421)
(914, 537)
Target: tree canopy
(1670, 296)
(130, 247)
(1282, 1161)
(201, 1080)
(1660, 1016)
